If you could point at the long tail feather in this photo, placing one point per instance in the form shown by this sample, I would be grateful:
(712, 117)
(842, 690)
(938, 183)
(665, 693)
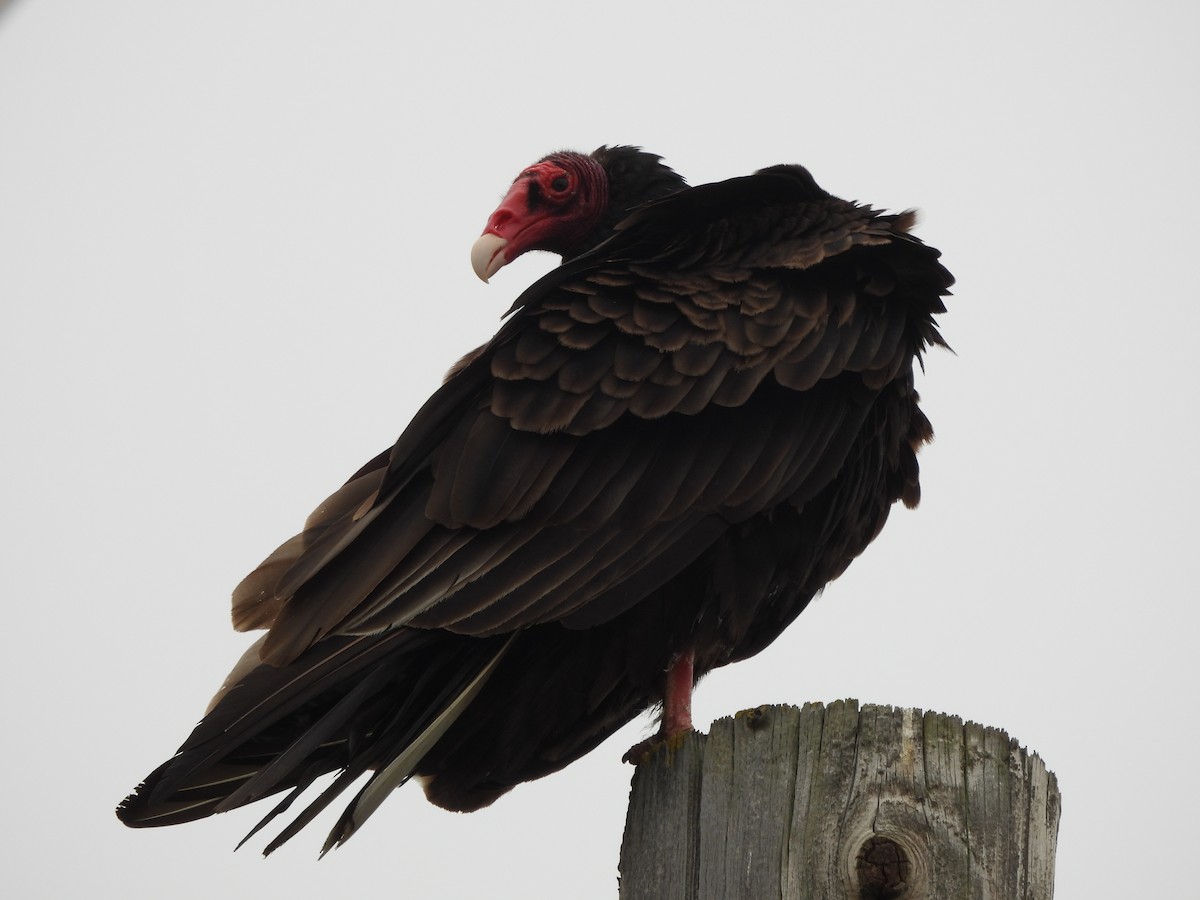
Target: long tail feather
(400, 769)
(347, 706)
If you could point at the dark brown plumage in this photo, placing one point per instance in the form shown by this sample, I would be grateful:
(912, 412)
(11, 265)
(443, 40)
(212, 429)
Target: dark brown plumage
(675, 441)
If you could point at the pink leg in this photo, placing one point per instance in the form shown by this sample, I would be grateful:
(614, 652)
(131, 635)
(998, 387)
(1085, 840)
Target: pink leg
(677, 696)
(677, 707)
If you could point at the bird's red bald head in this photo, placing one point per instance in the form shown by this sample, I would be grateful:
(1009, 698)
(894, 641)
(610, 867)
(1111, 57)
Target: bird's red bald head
(553, 205)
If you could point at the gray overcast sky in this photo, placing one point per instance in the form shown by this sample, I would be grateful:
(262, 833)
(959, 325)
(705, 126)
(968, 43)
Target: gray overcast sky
(233, 262)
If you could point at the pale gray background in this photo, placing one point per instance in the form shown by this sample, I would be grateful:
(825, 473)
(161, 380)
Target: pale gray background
(233, 262)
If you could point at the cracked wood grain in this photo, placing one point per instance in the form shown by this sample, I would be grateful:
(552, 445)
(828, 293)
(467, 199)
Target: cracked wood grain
(838, 801)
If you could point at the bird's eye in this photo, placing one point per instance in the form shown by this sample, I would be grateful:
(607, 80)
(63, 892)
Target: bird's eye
(560, 184)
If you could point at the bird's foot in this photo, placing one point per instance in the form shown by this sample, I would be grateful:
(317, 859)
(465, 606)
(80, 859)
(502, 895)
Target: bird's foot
(677, 709)
(643, 750)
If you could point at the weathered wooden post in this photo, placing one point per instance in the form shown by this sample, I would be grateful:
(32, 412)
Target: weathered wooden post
(840, 802)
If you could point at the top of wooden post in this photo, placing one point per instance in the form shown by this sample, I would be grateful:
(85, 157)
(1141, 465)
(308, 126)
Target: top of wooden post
(836, 801)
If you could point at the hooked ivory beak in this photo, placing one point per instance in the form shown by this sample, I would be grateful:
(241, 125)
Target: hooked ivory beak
(487, 255)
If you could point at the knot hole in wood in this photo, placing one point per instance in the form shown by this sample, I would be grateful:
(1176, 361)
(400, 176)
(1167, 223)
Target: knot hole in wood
(883, 870)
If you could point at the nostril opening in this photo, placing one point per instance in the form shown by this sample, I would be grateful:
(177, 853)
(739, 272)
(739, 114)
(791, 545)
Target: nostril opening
(500, 218)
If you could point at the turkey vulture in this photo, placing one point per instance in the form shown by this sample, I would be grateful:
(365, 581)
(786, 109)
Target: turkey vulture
(674, 441)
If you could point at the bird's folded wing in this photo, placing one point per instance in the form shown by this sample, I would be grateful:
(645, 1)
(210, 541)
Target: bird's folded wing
(707, 362)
